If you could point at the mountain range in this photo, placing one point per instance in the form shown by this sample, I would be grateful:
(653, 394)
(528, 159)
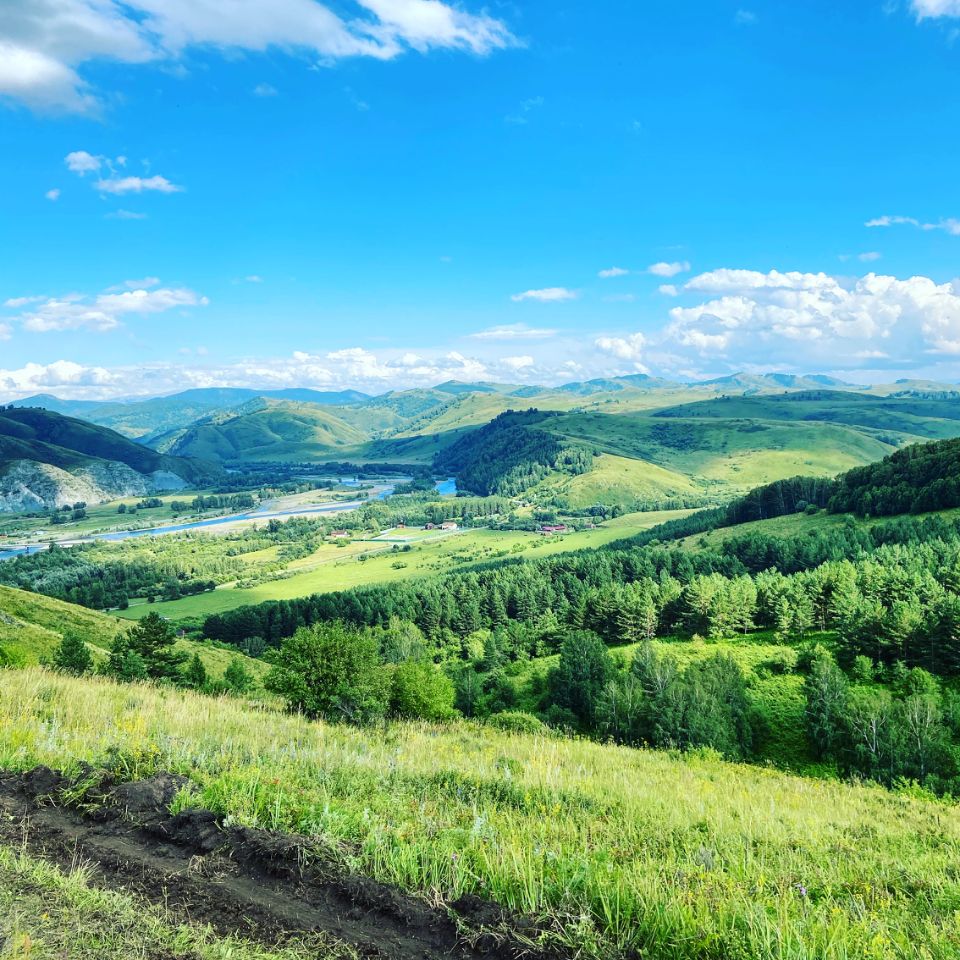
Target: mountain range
(648, 439)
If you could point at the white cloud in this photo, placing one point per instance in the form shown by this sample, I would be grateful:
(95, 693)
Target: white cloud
(53, 194)
(932, 9)
(45, 44)
(815, 317)
(517, 363)
(612, 272)
(253, 278)
(545, 295)
(631, 347)
(61, 373)
(82, 162)
(17, 302)
(513, 331)
(949, 225)
(869, 256)
(668, 269)
(620, 298)
(668, 290)
(120, 185)
(122, 214)
(6, 331)
(745, 18)
(264, 90)
(102, 312)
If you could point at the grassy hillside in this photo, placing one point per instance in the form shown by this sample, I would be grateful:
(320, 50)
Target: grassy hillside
(32, 626)
(274, 430)
(617, 851)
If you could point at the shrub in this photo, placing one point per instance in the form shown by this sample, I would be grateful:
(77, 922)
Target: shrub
(516, 721)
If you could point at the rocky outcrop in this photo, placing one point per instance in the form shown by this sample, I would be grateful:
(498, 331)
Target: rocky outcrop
(26, 485)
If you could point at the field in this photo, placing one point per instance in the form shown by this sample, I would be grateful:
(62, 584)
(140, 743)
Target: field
(334, 567)
(612, 850)
(32, 626)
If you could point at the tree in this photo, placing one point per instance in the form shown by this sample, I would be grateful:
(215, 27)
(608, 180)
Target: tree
(195, 676)
(237, 678)
(826, 689)
(153, 639)
(419, 691)
(584, 670)
(331, 671)
(124, 662)
(72, 655)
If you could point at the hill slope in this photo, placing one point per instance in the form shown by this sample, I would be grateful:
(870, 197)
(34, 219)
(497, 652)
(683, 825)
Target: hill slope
(32, 626)
(48, 460)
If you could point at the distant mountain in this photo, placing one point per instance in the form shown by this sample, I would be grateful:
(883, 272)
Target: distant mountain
(48, 460)
(766, 382)
(150, 417)
(635, 381)
(263, 430)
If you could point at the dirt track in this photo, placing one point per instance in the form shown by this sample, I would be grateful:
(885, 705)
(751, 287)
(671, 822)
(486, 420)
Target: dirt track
(261, 885)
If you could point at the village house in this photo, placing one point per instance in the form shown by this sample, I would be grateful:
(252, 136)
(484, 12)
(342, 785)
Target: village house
(548, 528)
(449, 525)
(338, 535)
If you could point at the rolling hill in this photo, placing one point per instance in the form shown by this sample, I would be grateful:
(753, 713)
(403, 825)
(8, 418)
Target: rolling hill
(32, 626)
(48, 460)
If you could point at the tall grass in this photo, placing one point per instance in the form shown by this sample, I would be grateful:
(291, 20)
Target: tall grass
(617, 850)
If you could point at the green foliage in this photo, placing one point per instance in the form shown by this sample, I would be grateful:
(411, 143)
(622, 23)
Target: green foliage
(418, 690)
(72, 655)
(237, 678)
(195, 675)
(583, 672)
(510, 455)
(146, 651)
(516, 721)
(333, 672)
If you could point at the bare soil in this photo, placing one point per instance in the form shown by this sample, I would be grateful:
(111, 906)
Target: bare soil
(262, 885)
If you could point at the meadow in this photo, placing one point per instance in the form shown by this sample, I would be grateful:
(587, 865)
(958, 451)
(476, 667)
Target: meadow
(361, 562)
(616, 851)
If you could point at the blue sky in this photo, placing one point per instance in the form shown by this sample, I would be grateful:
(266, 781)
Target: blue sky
(388, 193)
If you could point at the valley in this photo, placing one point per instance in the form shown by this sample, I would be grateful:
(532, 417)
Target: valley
(520, 669)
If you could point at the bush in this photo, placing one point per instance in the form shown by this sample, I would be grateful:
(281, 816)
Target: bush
(333, 672)
(419, 691)
(516, 721)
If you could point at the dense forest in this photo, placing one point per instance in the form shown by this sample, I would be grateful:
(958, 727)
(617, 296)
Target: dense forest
(510, 455)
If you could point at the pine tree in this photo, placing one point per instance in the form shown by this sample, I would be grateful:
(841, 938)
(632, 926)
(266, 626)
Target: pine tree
(72, 655)
(195, 676)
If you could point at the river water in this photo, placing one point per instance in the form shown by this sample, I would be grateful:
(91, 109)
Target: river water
(444, 487)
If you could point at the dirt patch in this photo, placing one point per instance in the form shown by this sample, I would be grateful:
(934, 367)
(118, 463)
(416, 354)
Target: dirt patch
(259, 884)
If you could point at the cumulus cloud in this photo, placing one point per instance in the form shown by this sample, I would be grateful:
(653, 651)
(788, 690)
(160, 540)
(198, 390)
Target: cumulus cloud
(53, 194)
(668, 290)
(264, 90)
(81, 162)
(631, 347)
(61, 373)
(784, 316)
(45, 44)
(102, 312)
(663, 269)
(517, 363)
(513, 331)
(545, 295)
(611, 272)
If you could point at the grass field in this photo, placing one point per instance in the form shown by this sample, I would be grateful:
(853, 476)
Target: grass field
(32, 626)
(334, 567)
(617, 851)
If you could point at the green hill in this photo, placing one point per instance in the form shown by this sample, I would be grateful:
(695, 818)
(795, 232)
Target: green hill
(48, 460)
(616, 852)
(266, 430)
(32, 626)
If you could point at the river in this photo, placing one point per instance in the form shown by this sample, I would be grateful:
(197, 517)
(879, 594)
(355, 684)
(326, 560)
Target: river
(446, 487)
